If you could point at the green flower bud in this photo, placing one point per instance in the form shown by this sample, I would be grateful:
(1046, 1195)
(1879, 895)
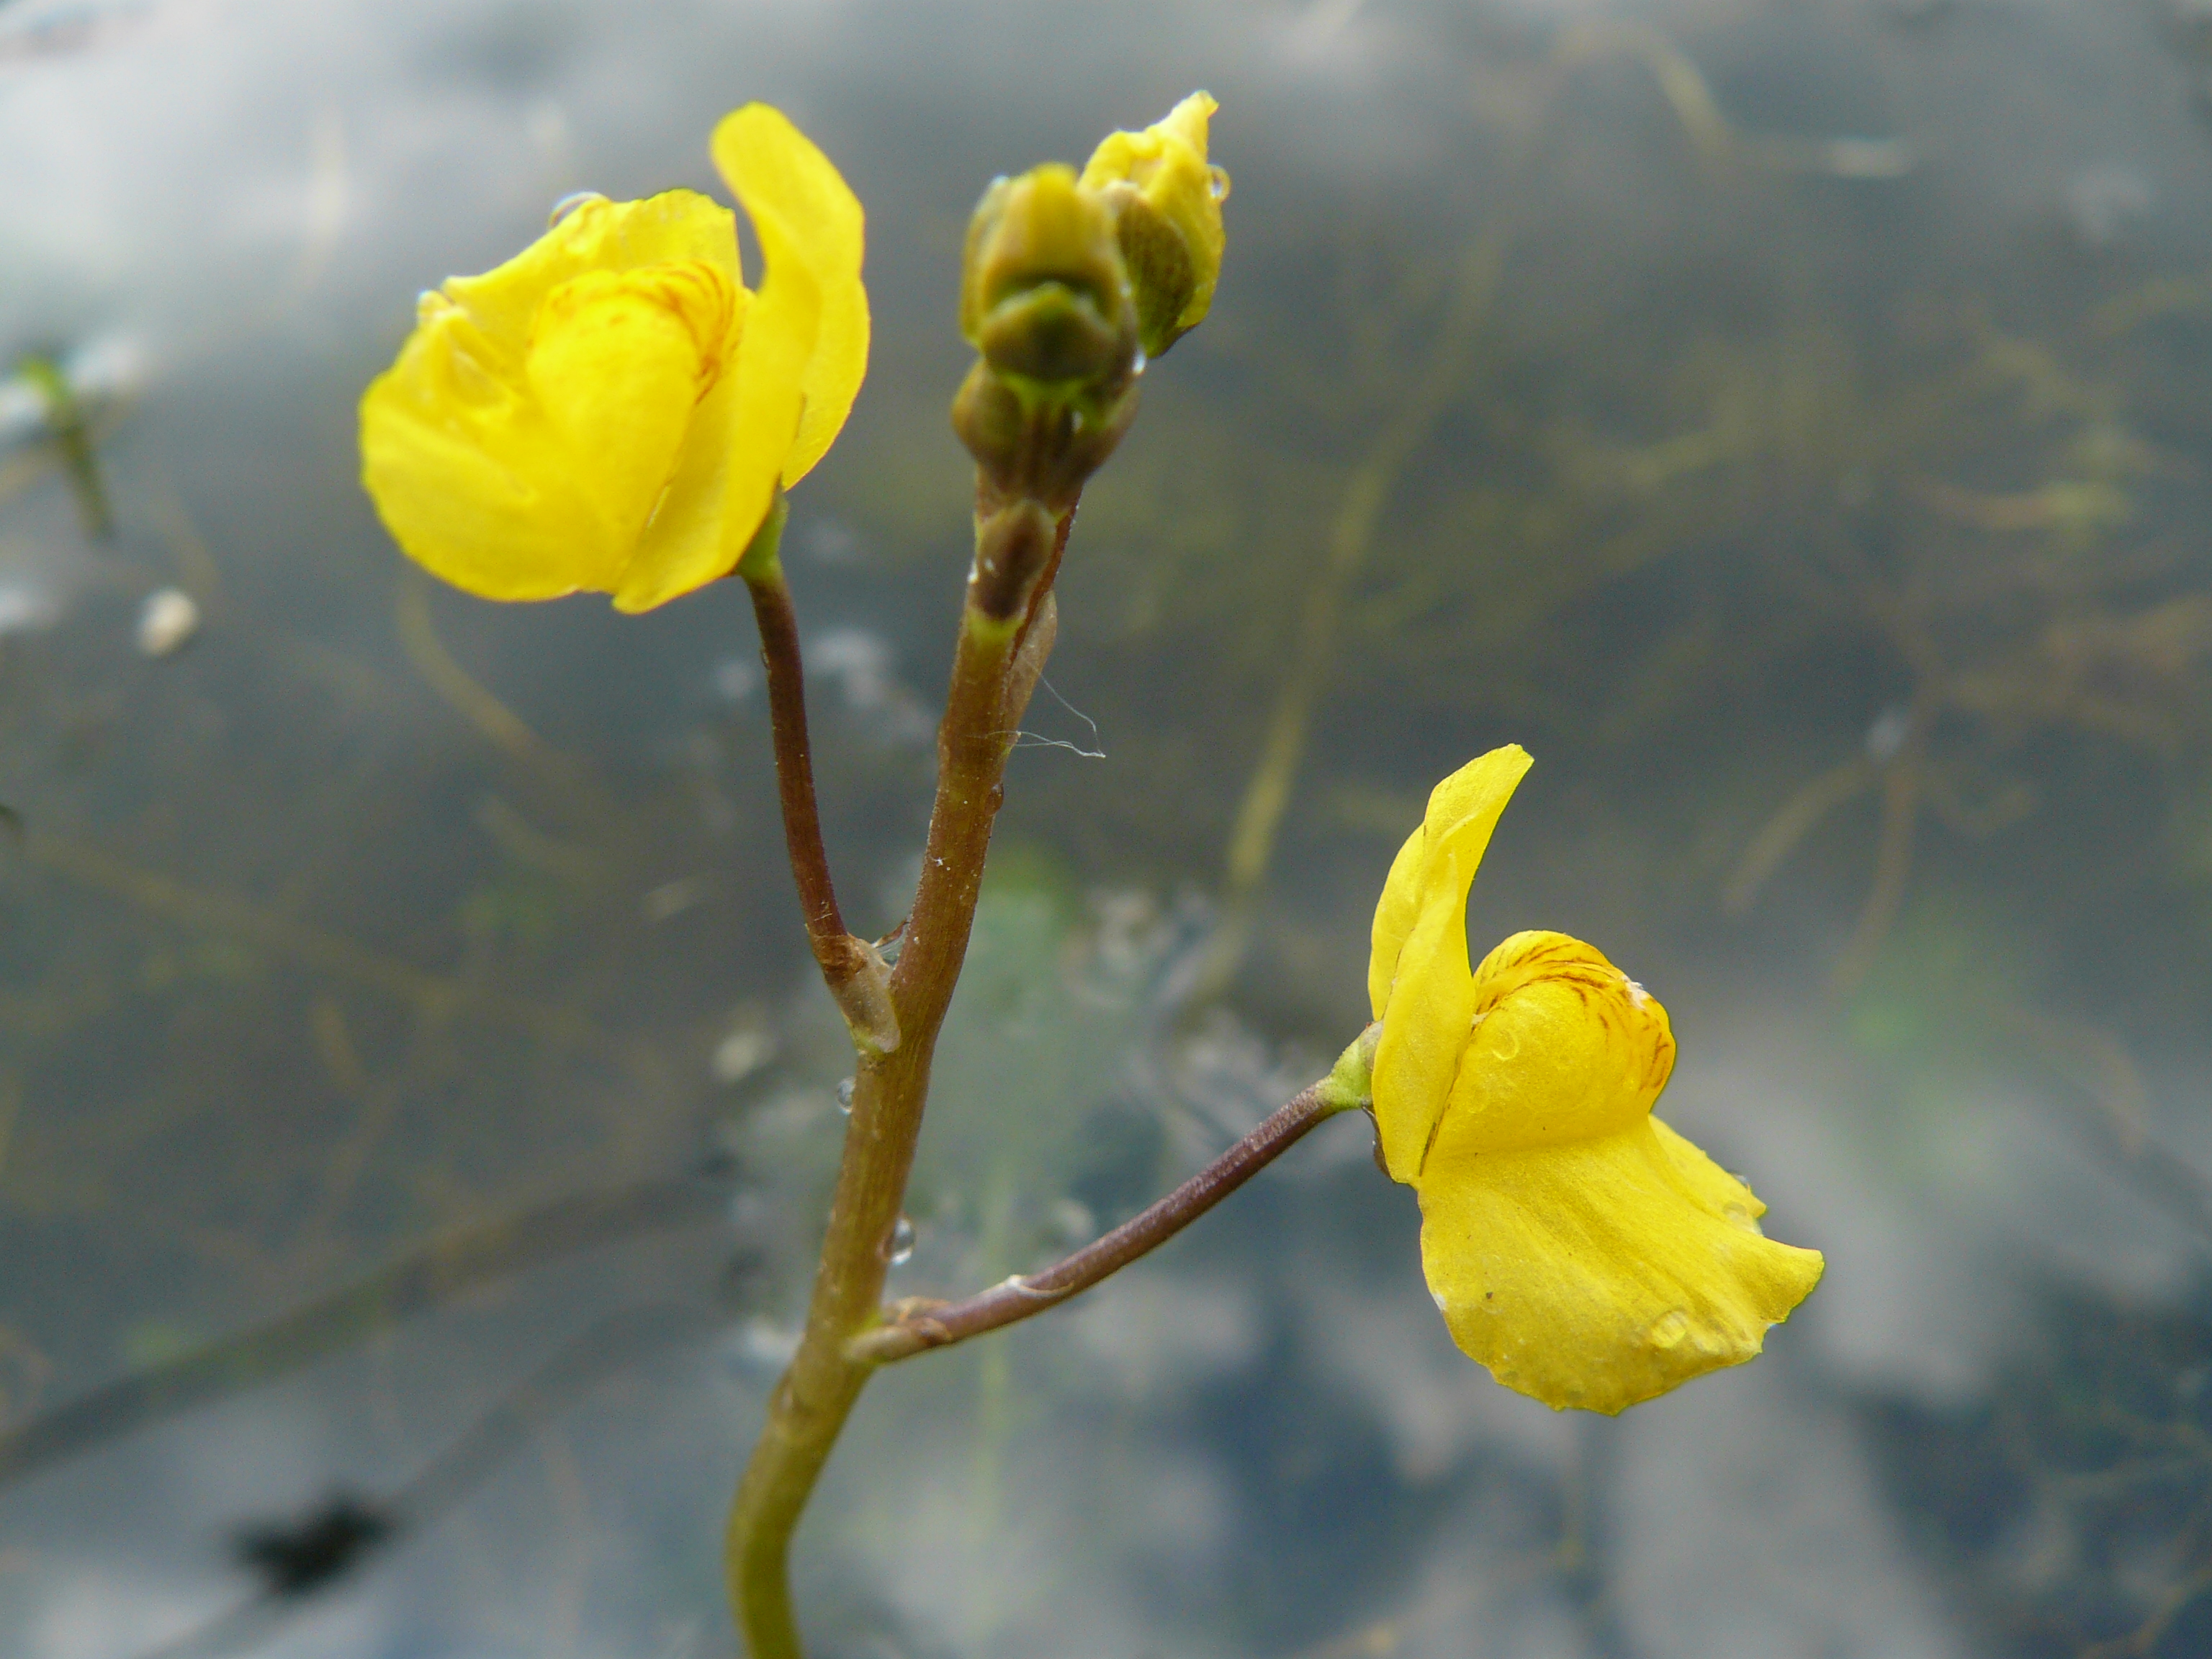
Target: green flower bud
(1043, 294)
(1166, 203)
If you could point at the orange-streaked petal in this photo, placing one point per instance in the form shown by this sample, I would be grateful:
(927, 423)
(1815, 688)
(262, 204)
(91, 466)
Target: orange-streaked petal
(595, 235)
(512, 452)
(618, 361)
(1564, 1047)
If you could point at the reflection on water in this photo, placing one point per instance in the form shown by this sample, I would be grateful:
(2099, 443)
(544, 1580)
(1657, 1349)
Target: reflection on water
(1789, 420)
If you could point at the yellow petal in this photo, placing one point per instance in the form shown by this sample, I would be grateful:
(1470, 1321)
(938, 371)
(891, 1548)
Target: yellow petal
(778, 178)
(1603, 1273)
(596, 235)
(683, 546)
(1395, 912)
(1715, 1188)
(1564, 1047)
(779, 175)
(467, 474)
(476, 478)
(1431, 1003)
(618, 361)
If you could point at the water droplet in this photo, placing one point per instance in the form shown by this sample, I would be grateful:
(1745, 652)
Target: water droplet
(568, 204)
(845, 1096)
(1670, 1328)
(1217, 181)
(901, 1242)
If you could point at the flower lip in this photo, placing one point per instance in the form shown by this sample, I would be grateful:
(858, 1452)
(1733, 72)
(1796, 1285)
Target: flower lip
(1557, 1052)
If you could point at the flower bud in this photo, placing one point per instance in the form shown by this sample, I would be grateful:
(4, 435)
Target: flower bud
(1042, 449)
(1043, 294)
(1013, 547)
(1166, 203)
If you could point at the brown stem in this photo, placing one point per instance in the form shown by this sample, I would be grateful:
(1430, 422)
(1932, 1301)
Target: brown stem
(915, 1327)
(890, 1087)
(795, 760)
(850, 966)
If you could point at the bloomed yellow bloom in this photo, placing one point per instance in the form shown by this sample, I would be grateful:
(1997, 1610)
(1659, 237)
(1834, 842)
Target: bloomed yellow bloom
(613, 409)
(1579, 1248)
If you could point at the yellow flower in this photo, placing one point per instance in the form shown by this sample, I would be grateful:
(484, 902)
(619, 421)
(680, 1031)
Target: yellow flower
(613, 409)
(1579, 1248)
(1166, 202)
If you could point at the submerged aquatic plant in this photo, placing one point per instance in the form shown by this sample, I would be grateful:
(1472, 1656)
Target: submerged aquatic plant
(613, 411)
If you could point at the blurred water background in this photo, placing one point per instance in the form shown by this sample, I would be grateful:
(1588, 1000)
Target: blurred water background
(1790, 419)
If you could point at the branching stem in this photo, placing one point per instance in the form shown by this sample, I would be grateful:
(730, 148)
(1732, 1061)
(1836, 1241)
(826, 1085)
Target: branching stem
(890, 1087)
(915, 1327)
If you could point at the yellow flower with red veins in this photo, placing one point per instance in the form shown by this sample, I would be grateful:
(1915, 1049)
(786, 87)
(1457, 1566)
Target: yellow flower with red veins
(613, 409)
(1579, 1248)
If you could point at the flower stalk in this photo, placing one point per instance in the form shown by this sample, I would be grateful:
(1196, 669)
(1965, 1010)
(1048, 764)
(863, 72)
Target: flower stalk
(890, 1090)
(917, 1324)
(1046, 301)
(851, 966)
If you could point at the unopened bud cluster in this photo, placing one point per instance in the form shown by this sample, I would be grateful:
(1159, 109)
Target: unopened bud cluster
(1070, 284)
